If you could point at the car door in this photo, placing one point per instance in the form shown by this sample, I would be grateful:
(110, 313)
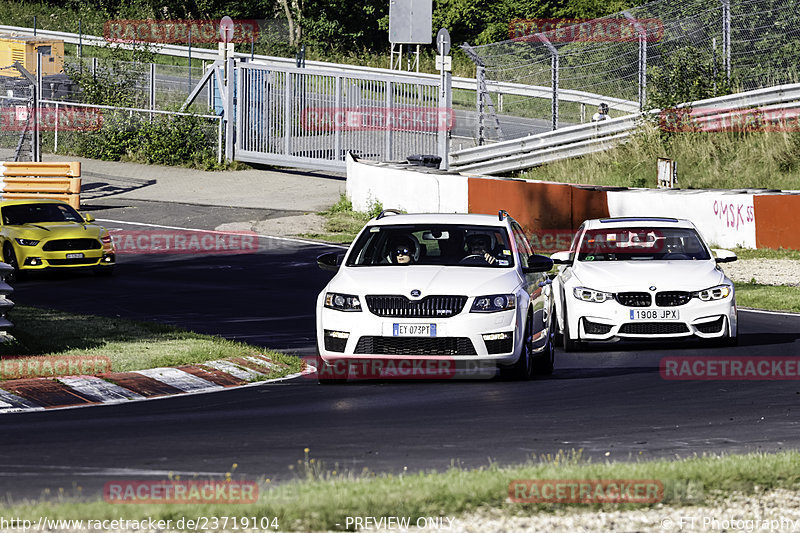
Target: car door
(536, 285)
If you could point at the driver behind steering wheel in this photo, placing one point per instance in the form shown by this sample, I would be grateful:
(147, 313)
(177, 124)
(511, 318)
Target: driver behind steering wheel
(479, 244)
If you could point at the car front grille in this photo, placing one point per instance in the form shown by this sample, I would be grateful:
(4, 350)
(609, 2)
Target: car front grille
(634, 299)
(653, 328)
(429, 307)
(711, 327)
(595, 328)
(77, 261)
(414, 346)
(65, 245)
(672, 298)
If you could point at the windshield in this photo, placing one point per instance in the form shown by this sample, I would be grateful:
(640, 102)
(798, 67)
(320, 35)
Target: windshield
(14, 215)
(631, 244)
(432, 244)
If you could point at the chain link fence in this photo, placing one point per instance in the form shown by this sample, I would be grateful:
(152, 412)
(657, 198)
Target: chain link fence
(68, 119)
(751, 43)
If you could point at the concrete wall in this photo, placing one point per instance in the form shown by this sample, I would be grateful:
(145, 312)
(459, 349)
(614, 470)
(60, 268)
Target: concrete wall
(724, 218)
(404, 187)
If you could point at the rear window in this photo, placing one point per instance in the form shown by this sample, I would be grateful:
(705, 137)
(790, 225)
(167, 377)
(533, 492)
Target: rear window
(432, 244)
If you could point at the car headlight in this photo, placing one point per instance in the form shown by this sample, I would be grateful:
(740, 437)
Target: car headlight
(494, 303)
(342, 302)
(720, 292)
(591, 295)
(106, 239)
(26, 242)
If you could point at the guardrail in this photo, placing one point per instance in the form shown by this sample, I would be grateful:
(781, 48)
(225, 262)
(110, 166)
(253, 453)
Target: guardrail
(59, 181)
(582, 139)
(5, 303)
(209, 54)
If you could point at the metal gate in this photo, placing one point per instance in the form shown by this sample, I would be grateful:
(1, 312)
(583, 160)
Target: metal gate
(310, 117)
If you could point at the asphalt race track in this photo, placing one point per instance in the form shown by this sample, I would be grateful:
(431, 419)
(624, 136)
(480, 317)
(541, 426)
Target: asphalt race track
(612, 404)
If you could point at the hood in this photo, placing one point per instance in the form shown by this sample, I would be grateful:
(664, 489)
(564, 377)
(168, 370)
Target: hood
(440, 280)
(614, 276)
(57, 230)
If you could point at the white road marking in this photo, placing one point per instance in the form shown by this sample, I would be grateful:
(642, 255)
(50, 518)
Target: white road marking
(246, 374)
(99, 389)
(179, 379)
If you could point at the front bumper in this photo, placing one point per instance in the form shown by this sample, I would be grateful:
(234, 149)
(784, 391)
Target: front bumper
(611, 320)
(34, 258)
(362, 335)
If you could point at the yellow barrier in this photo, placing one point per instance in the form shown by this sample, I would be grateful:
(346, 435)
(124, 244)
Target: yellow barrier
(30, 181)
(24, 168)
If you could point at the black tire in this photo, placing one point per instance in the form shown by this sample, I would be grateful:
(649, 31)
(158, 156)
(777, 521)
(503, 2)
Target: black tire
(331, 374)
(544, 362)
(570, 344)
(10, 258)
(523, 369)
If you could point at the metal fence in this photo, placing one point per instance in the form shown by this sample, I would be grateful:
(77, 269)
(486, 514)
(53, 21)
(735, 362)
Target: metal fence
(753, 42)
(311, 117)
(47, 113)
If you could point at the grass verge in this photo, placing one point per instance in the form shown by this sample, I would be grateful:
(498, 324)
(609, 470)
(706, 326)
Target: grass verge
(342, 224)
(322, 498)
(770, 297)
(705, 160)
(129, 345)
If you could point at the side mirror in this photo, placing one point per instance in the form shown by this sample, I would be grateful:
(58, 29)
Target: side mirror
(724, 256)
(87, 217)
(330, 261)
(538, 263)
(562, 258)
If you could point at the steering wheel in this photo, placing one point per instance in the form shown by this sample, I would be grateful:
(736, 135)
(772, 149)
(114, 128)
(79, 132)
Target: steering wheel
(473, 259)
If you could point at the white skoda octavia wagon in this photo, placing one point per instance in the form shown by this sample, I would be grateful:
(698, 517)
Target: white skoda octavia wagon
(416, 291)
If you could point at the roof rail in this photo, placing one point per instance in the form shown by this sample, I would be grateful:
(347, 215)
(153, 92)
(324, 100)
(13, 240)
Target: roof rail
(502, 214)
(388, 212)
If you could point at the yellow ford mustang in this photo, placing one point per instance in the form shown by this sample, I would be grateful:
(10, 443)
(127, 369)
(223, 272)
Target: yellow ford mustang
(49, 234)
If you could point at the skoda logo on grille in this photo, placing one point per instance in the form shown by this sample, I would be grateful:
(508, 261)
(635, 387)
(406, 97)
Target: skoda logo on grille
(652, 287)
(415, 293)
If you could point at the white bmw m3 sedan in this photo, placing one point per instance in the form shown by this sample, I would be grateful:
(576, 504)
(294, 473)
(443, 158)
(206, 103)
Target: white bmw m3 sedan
(643, 278)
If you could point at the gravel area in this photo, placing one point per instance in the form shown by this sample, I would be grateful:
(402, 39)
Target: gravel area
(766, 271)
(774, 511)
(287, 226)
